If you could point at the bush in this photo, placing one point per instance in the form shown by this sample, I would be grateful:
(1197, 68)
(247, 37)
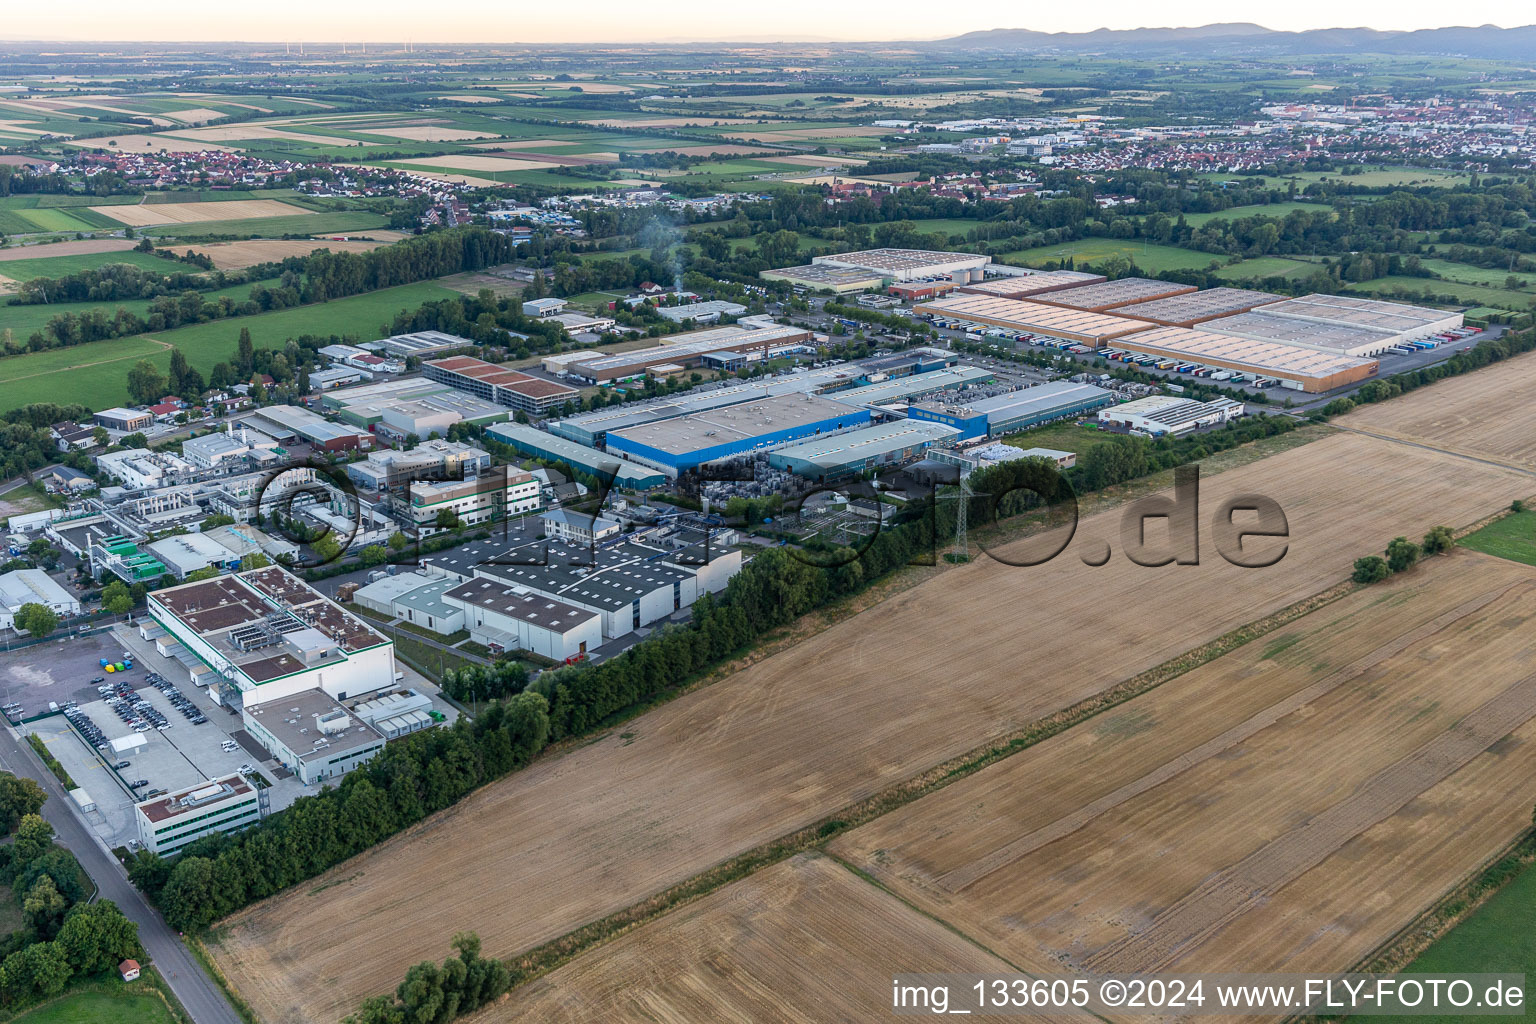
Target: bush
(1402, 553)
(1371, 569)
(1439, 540)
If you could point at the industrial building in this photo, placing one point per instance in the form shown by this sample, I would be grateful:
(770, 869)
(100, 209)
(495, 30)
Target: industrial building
(503, 491)
(701, 312)
(1161, 415)
(580, 458)
(578, 527)
(126, 420)
(397, 713)
(508, 618)
(33, 586)
(167, 823)
(825, 277)
(415, 597)
(1022, 286)
(292, 422)
(920, 291)
(854, 451)
(1190, 308)
(432, 416)
(1016, 410)
(266, 634)
(492, 383)
(1106, 295)
(903, 389)
(336, 377)
(419, 344)
(1292, 366)
(995, 453)
(435, 458)
(754, 341)
(1093, 329)
(1404, 322)
(188, 552)
(1262, 325)
(558, 362)
(896, 265)
(312, 736)
(684, 443)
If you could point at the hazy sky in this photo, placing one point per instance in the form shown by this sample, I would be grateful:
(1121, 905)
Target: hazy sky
(619, 20)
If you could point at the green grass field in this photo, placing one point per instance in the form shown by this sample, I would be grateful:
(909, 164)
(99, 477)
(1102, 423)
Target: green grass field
(1496, 938)
(1066, 437)
(61, 266)
(1466, 273)
(1146, 255)
(96, 374)
(103, 1006)
(1513, 537)
(1266, 266)
(1466, 294)
(1262, 210)
(1410, 176)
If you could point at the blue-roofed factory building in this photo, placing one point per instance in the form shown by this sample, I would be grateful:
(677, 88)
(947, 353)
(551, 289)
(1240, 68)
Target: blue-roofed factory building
(686, 442)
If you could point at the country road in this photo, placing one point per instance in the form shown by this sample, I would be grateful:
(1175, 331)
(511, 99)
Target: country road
(199, 994)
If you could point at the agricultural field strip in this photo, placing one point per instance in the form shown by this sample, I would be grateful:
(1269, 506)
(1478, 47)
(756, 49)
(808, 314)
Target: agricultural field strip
(1226, 896)
(642, 832)
(963, 877)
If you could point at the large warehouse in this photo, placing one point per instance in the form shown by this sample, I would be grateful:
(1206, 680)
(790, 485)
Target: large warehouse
(1407, 323)
(1016, 410)
(895, 265)
(1096, 298)
(688, 350)
(686, 442)
(499, 384)
(1190, 308)
(1298, 368)
(1094, 329)
(846, 454)
(1262, 325)
(825, 277)
(1022, 286)
(543, 445)
(1169, 414)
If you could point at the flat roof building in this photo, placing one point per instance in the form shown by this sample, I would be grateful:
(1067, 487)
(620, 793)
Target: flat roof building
(267, 634)
(909, 264)
(168, 823)
(825, 277)
(127, 420)
(1015, 410)
(336, 377)
(1339, 339)
(312, 736)
(854, 451)
(688, 350)
(1096, 298)
(1301, 369)
(1190, 308)
(701, 312)
(1408, 323)
(510, 618)
(684, 443)
(499, 384)
(284, 421)
(1093, 329)
(420, 343)
(33, 586)
(580, 458)
(1022, 286)
(1158, 415)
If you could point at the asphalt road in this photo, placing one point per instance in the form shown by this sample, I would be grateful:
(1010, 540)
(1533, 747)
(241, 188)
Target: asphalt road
(201, 996)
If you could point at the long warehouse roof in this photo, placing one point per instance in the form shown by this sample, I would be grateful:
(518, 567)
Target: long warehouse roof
(868, 442)
(1262, 355)
(1120, 292)
(1024, 285)
(1377, 314)
(1262, 325)
(1197, 306)
(1032, 316)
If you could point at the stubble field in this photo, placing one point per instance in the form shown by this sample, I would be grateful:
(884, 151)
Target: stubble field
(978, 652)
(248, 253)
(1287, 807)
(154, 215)
(801, 941)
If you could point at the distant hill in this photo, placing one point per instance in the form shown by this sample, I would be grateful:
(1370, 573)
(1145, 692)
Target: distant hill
(1245, 38)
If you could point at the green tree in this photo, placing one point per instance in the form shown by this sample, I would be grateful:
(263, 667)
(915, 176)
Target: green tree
(207, 572)
(37, 619)
(1371, 569)
(34, 837)
(146, 383)
(1402, 553)
(397, 541)
(41, 969)
(1439, 540)
(254, 560)
(447, 519)
(327, 548)
(96, 937)
(116, 599)
(19, 797)
(374, 554)
(215, 521)
(44, 907)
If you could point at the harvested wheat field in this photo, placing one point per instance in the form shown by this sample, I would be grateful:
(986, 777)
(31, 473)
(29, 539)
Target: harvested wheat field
(75, 247)
(1488, 414)
(471, 162)
(239, 255)
(154, 214)
(872, 701)
(150, 144)
(805, 940)
(430, 133)
(1287, 807)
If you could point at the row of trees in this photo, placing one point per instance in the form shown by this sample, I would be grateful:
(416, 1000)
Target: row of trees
(1402, 554)
(437, 994)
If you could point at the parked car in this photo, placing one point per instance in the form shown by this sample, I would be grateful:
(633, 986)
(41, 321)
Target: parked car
(122, 764)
